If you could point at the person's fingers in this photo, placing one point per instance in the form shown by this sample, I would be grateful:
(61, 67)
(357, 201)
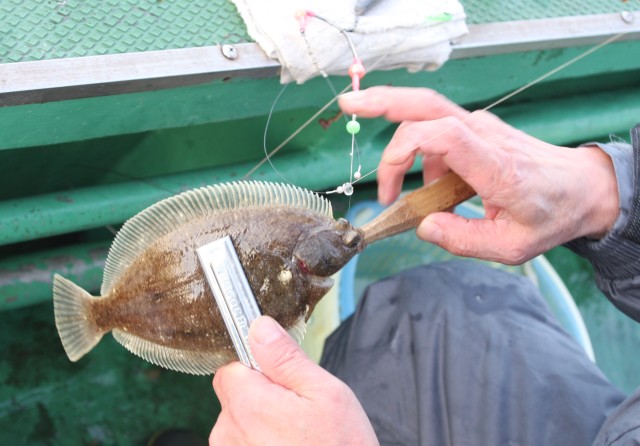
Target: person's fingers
(400, 104)
(489, 239)
(433, 168)
(231, 377)
(280, 357)
(449, 139)
(223, 431)
(397, 159)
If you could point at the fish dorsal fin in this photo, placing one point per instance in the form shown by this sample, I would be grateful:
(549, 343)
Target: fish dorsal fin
(158, 220)
(195, 363)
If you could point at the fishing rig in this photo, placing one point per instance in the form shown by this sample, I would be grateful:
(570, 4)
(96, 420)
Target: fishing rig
(356, 72)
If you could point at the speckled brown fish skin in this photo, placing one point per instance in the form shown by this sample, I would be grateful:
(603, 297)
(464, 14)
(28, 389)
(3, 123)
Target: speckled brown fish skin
(287, 253)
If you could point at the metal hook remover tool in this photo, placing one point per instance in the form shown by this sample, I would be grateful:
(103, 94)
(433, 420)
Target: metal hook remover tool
(232, 293)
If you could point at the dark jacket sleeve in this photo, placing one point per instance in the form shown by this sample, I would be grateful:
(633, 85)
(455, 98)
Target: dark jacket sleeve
(616, 257)
(622, 427)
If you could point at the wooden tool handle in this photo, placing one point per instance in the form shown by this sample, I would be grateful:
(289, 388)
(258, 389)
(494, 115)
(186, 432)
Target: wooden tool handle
(410, 210)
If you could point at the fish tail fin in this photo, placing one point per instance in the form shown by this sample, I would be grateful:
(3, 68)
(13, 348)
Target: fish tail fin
(74, 318)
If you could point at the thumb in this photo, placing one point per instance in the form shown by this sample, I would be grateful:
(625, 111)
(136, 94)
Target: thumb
(281, 358)
(478, 237)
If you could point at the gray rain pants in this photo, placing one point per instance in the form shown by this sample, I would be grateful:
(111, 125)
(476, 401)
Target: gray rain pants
(459, 353)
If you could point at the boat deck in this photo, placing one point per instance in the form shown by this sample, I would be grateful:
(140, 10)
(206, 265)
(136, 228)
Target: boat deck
(109, 106)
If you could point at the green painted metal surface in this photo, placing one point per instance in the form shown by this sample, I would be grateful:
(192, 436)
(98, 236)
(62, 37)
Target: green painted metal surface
(26, 279)
(94, 182)
(109, 397)
(490, 11)
(559, 121)
(82, 119)
(36, 30)
(81, 209)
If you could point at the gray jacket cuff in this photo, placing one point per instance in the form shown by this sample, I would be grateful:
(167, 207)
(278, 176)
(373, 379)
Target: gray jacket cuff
(616, 257)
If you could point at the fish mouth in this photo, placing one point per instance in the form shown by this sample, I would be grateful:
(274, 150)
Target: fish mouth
(324, 282)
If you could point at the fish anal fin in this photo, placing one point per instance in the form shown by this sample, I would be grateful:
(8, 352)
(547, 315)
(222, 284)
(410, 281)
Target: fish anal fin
(74, 319)
(194, 363)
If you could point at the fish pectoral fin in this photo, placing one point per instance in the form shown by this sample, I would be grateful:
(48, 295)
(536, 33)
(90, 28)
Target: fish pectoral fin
(74, 318)
(195, 363)
(298, 330)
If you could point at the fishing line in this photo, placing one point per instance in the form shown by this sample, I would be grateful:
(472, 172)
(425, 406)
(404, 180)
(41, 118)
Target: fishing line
(555, 70)
(356, 178)
(356, 71)
(264, 138)
(508, 96)
(111, 171)
(294, 134)
(303, 16)
(114, 172)
(268, 154)
(354, 142)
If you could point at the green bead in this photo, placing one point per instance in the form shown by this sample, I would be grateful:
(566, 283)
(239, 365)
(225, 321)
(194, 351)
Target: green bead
(353, 127)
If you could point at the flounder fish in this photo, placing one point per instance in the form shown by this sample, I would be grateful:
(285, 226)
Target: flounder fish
(154, 296)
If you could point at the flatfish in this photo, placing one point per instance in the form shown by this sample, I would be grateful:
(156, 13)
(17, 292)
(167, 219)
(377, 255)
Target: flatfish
(154, 298)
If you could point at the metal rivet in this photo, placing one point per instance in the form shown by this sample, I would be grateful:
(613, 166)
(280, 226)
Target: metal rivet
(626, 16)
(229, 51)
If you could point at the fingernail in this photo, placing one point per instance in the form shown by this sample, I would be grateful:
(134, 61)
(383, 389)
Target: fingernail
(383, 199)
(385, 196)
(265, 330)
(430, 231)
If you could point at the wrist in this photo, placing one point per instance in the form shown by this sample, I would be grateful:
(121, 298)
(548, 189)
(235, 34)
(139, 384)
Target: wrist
(602, 199)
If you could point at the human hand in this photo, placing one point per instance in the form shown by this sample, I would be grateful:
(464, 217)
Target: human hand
(535, 195)
(294, 402)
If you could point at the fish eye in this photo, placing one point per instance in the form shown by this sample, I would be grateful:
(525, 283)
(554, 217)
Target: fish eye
(352, 239)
